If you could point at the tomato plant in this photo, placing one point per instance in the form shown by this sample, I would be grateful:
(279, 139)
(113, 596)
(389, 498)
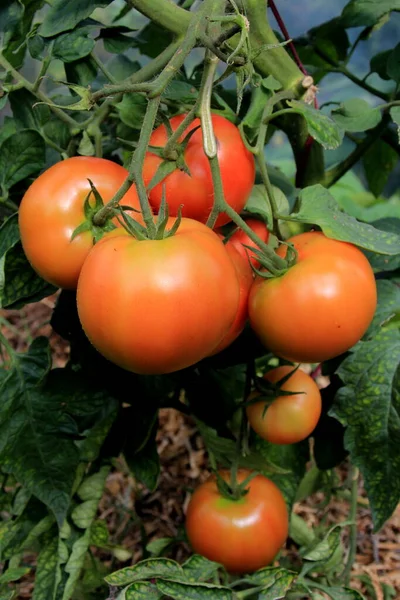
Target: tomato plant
(53, 207)
(176, 298)
(244, 534)
(321, 307)
(288, 419)
(193, 191)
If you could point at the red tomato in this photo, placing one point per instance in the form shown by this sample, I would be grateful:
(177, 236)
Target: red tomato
(245, 277)
(52, 208)
(195, 191)
(157, 306)
(242, 535)
(321, 307)
(289, 419)
(240, 239)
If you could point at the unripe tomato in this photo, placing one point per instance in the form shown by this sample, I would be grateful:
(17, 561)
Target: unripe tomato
(157, 306)
(321, 306)
(52, 208)
(240, 239)
(288, 419)
(243, 535)
(195, 192)
(245, 278)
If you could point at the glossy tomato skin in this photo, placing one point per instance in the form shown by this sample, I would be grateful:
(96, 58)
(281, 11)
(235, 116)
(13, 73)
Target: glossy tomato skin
(52, 208)
(288, 419)
(195, 191)
(321, 307)
(243, 535)
(157, 306)
(240, 239)
(245, 278)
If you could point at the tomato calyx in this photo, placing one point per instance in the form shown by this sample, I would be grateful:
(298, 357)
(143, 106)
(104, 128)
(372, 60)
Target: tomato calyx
(90, 210)
(140, 232)
(233, 491)
(268, 269)
(173, 158)
(268, 392)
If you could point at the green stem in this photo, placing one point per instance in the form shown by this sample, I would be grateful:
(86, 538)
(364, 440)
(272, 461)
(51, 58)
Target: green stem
(341, 169)
(280, 113)
(63, 116)
(250, 592)
(169, 148)
(43, 70)
(164, 13)
(353, 527)
(8, 204)
(270, 192)
(103, 68)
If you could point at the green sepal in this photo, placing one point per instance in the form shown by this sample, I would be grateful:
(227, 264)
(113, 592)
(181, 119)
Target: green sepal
(165, 168)
(176, 224)
(163, 216)
(134, 228)
(84, 226)
(90, 211)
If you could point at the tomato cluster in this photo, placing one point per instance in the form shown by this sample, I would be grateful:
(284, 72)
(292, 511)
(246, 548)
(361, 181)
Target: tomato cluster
(159, 304)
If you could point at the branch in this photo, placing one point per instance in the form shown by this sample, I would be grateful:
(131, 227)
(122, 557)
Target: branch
(165, 13)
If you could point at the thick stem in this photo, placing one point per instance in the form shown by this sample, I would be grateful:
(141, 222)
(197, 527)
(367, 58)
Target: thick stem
(170, 146)
(165, 13)
(334, 174)
(353, 527)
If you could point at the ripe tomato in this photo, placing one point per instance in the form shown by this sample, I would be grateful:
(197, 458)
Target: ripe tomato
(52, 208)
(289, 419)
(195, 191)
(240, 239)
(242, 535)
(245, 278)
(157, 306)
(321, 306)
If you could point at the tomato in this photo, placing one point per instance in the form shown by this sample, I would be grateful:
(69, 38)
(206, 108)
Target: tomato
(288, 419)
(245, 278)
(157, 306)
(52, 208)
(240, 239)
(321, 306)
(243, 535)
(195, 191)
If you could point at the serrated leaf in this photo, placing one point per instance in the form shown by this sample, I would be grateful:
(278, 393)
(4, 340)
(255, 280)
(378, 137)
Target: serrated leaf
(319, 207)
(48, 573)
(190, 591)
(199, 568)
(22, 154)
(367, 12)
(388, 306)
(141, 590)
(279, 588)
(63, 16)
(82, 72)
(322, 550)
(379, 161)
(369, 405)
(86, 146)
(321, 127)
(356, 115)
(292, 458)
(13, 574)
(381, 262)
(28, 114)
(73, 45)
(146, 569)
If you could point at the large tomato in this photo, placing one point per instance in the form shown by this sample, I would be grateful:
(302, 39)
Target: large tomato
(195, 191)
(245, 278)
(157, 306)
(288, 419)
(52, 208)
(243, 535)
(321, 306)
(240, 239)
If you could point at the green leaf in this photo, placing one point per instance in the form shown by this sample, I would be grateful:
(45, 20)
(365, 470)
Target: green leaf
(86, 147)
(321, 127)
(378, 64)
(145, 464)
(63, 16)
(379, 161)
(279, 588)
(292, 458)
(181, 91)
(141, 590)
(132, 109)
(146, 569)
(258, 203)
(190, 591)
(197, 568)
(19, 283)
(369, 406)
(395, 114)
(393, 64)
(330, 39)
(7, 129)
(388, 306)
(381, 262)
(367, 12)
(115, 41)
(13, 574)
(152, 40)
(26, 112)
(82, 72)
(158, 546)
(73, 45)
(11, 13)
(319, 207)
(345, 593)
(355, 115)
(22, 154)
(48, 573)
(122, 67)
